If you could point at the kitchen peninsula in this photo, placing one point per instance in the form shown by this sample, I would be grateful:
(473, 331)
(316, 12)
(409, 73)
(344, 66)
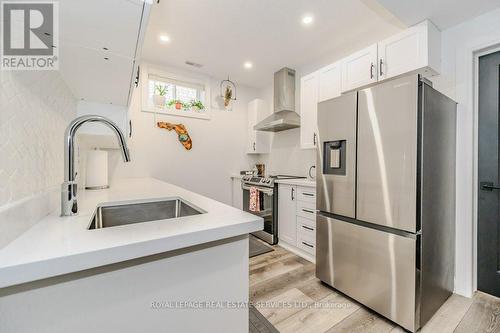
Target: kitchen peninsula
(129, 278)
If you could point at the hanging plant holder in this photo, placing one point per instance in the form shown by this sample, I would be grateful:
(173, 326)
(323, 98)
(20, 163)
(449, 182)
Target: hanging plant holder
(227, 92)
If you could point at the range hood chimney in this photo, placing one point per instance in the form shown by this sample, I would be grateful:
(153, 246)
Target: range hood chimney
(284, 116)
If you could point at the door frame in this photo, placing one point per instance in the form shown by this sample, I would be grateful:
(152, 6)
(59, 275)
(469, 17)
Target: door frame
(477, 52)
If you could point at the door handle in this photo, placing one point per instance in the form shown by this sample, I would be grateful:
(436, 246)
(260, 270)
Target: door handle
(489, 186)
(292, 194)
(380, 67)
(314, 139)
(254, 146)
(371, 70)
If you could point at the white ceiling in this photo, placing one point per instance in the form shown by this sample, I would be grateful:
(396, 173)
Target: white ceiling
(223, 34)
(444, 13)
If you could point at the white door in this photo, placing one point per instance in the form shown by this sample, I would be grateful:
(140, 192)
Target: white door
(258, 142)
(417, 50)
(359, 69)
(251, 133)
(308, 110)
(287, 218)
(330, 79)
(402, 53)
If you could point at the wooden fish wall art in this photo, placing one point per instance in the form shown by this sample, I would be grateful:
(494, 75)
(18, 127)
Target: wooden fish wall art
(181, 131)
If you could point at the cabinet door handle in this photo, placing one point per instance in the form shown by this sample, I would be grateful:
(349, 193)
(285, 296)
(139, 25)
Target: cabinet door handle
(371, 70)
(254, 146)
(314, 139)
(292, 193)
(307, 211)
(309, 245)
(307, 228)
(130, 128)
(380, 67)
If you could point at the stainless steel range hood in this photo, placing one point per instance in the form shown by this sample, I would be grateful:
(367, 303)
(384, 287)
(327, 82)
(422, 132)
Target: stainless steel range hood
(284, 116)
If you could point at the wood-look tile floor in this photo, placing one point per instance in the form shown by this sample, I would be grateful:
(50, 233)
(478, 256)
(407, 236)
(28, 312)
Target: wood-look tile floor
(284, 289)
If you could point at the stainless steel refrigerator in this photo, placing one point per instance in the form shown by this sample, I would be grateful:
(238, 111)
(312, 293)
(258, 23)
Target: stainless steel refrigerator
(386, 198)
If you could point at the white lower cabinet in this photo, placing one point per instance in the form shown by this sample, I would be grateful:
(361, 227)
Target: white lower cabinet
(297, 220)
(287, 219)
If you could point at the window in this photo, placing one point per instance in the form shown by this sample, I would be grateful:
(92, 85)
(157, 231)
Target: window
(191, 92)
(176, 90)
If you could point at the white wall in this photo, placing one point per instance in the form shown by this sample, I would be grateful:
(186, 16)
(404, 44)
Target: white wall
(35, 108)
(457, 81)
(219, 146)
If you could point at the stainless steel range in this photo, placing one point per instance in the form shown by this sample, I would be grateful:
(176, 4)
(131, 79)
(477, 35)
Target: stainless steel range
(268, 203)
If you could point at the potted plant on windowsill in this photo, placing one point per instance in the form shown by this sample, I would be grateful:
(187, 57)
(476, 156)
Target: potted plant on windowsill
(196, 106)
(159, 95)
(177, 104)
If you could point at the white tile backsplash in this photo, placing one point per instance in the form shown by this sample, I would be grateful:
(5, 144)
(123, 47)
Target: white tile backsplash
(35, 108)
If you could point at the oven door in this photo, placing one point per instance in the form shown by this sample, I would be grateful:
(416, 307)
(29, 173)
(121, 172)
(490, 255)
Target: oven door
(267, 204)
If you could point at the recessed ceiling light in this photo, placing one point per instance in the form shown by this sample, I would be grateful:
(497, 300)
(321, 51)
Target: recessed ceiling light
(308, 19)
(164, 38)
(248, 65)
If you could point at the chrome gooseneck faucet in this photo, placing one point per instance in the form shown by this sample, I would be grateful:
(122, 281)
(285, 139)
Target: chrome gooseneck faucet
(69, 188)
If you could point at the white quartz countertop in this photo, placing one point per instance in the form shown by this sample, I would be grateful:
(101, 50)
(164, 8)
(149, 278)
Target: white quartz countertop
(60, 245)
(298, 182)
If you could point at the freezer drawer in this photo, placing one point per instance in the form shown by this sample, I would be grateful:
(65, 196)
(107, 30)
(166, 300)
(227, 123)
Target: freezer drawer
(387, 154)
(374, 267)
(336, 155)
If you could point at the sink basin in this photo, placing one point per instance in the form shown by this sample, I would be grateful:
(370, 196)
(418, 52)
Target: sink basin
(116, 214)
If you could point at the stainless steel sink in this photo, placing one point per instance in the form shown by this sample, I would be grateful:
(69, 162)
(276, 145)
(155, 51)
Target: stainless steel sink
(116, 214)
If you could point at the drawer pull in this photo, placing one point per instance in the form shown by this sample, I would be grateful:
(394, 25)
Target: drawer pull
(307, 211)
(309, 245)
(308, 194)
(307, 228)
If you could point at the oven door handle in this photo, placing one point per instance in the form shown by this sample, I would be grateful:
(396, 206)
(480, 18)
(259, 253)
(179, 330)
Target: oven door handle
(268, 191)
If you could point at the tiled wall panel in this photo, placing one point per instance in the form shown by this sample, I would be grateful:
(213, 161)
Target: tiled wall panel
(35, 108)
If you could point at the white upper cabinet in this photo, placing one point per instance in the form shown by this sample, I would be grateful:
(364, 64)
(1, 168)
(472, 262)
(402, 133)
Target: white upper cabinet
(99, 44)
(308, 110)
(414, 50)
(330, 79)
(417, 49)
(359, 69)
(258, 142)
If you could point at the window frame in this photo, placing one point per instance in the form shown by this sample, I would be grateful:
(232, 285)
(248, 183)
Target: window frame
(148, 70)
